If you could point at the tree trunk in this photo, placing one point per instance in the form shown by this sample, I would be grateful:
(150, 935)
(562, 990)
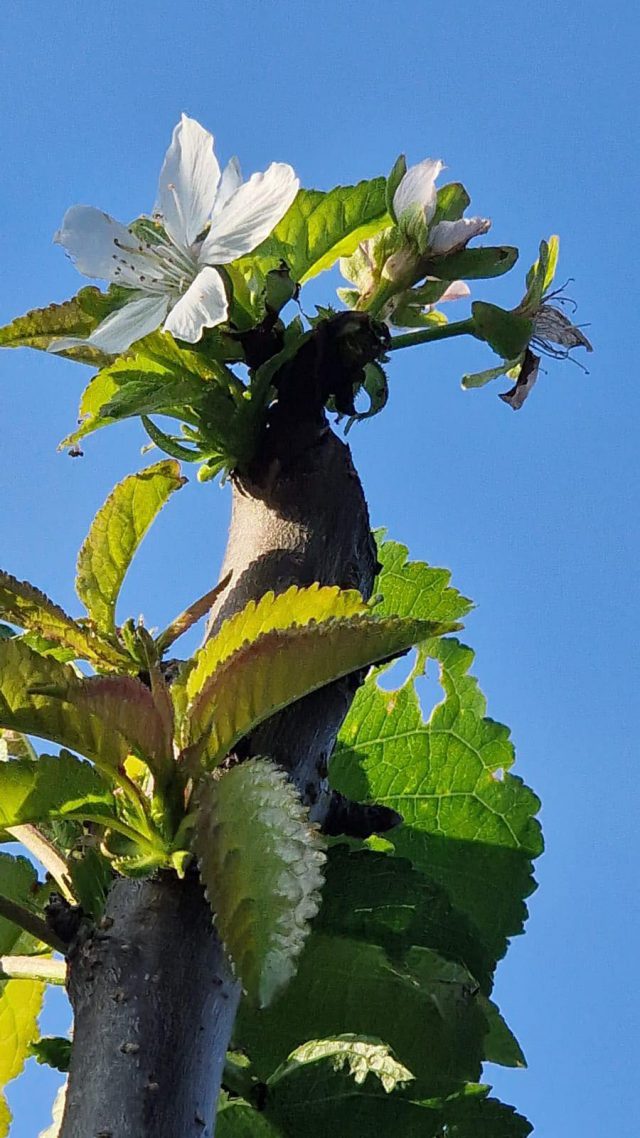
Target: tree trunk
(153, 996)
(154, 1002)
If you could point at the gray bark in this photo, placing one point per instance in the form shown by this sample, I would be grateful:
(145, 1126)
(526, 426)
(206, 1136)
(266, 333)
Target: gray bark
(157, 979)
(154, 1002)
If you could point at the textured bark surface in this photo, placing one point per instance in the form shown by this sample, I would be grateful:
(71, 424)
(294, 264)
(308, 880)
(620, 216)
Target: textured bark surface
(154, 1003)
(153, 996)
(301, 517)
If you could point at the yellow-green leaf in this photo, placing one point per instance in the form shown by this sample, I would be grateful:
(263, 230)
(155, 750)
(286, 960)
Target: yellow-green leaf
(293, 608)
(282, 666)
(28, 607)
(20, 1003)
(22, 669)
(75, 317)
(115, 534)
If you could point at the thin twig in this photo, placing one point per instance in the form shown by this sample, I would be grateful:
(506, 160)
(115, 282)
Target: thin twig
(426, 335)
(47, 854)
(190, 616)
(33, 968)
(31, 923)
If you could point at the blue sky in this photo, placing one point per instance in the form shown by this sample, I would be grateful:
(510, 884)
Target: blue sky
(534, 512)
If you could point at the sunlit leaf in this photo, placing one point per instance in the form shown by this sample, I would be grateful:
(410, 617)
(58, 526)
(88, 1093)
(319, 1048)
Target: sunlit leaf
(261, 864)
(28, 607)
(320, 227)
(115, 534)
(75, 317)
(61, 787)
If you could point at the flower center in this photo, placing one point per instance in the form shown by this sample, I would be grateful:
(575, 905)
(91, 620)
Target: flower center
(157, 267)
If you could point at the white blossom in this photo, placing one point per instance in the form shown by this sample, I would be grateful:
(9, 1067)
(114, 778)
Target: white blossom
(418, 188)
(207, 219)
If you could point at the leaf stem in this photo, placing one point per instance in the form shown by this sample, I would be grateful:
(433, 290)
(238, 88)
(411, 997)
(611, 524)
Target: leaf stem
(426, 335)
(48, 856)
(33, 968)
(31, 923)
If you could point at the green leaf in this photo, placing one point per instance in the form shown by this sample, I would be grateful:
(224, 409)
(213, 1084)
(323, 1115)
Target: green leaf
(413, 588)
(61, 787)
(52, 1051)
(261, 864)
(238, 1119)
(540, 276)
(76, 317)
(115, 534)
(360, 1056)
(398, 172)
(384, 900)
(20, 1003)
(506, 332)
(500, 1044)
(473, 264)
(22, 669)
(452, 201)
(284, 665)
(320, 228)
(468, 823)
(26, 606)
(157, 376)
(376, 388)
(424, 1010)
(294, 607)
(20, 1000)
(18, 882)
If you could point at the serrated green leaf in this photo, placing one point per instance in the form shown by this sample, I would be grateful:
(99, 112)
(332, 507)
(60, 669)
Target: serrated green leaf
(506, 332)
(500, 1044)
(292, 608)
(430, 1020)
(52, 1051)
(413, 588)
(75, 317)
(473, 264)
(22, 669)
(28, 607)
(261, 864)
(281, 667)
(383, 900)
(115, 534)
(50, 788)
(359, 1056)
(320, 228)
(468, 823)
(20, 1003)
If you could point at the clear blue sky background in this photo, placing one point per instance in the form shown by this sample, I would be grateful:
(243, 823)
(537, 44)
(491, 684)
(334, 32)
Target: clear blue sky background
(531, 105)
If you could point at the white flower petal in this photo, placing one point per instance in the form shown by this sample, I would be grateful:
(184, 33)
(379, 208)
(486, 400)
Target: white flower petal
(188, 182)
(418, 188)
(457, 290)
(449, 235)
(203, 305)
(229, 182)
(250, 214)
(100, 246)
(122, 328)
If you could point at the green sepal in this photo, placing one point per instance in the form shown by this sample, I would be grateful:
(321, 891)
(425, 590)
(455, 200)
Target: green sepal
(473, 264)
(506, 332)
(398, 172)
